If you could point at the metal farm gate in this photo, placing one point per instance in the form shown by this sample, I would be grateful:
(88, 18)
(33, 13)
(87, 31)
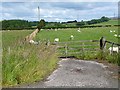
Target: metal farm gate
(73, 48)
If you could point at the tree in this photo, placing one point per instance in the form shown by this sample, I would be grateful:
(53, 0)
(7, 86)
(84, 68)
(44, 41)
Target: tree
(104, 19)
(79, 24)
(41, 24)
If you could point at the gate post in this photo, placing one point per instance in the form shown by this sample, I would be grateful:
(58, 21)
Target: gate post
(102, 43)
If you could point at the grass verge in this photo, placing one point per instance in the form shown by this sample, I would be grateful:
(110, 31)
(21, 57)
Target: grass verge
(26, 63)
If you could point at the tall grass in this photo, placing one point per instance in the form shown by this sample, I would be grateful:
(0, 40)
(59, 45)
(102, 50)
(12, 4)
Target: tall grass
(26, 63)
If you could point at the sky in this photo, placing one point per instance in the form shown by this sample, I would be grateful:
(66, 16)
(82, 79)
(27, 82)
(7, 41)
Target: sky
(57, 11)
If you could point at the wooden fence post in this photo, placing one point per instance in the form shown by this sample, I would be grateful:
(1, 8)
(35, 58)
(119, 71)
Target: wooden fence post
(66, 51)
(47, 43)
(9, 50)
(102, 43)
(83, 46)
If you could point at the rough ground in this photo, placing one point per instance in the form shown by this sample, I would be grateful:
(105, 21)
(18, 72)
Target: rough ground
(79, 73)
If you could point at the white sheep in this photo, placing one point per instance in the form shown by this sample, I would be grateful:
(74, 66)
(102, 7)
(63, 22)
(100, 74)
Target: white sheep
(115, 35)
(110, 30)
(71, 37)
(113, 49)
(56, 40)
(55, 29)
(33, 42)
(78, 30)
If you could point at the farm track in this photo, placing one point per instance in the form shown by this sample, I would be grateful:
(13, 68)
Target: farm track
(79, 73)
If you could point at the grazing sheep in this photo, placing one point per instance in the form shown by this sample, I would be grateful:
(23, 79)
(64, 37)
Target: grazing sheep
(118, 35)
(115, 35)
(55, 29)
(78, 30)
(56, 40)
(33, 42)
(71, 37)
(110, 30)
(113, 49)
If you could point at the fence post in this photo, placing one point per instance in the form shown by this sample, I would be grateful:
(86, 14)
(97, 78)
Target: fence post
(9, 50)
(66, 51)
(47, 43)
(102, 43)
(83, 47)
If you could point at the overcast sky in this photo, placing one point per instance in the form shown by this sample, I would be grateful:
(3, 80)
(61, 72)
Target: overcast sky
(58, 11)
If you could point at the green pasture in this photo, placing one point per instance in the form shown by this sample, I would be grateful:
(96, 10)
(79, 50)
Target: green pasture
(85, 34)
(110, 22)
(10, 38)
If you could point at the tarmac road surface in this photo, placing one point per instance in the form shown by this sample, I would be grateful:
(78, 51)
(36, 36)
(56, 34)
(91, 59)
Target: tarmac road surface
(73, 73)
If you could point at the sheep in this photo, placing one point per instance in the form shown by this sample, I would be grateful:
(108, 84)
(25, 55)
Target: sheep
(33, 42)
(78, 30)
(110, 30)
(118, 35)
(71, 37)
(55, 29)
(115, 35)
(56, 40)
(113, 49)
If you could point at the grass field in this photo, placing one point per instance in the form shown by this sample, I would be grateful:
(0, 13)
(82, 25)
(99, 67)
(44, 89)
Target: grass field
(85, 34)
(25, 63)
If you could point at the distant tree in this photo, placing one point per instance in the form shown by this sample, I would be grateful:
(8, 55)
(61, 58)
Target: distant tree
(41, 24)
(75, 21)
(104, 19)
(79, 24)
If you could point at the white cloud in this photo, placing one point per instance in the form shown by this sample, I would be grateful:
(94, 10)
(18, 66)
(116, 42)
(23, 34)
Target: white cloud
(57, 11)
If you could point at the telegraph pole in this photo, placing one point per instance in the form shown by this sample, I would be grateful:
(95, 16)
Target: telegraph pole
(38, 13)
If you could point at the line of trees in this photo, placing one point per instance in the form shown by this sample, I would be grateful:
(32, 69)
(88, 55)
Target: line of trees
(93, 21)
(24, 24)
(15, 24)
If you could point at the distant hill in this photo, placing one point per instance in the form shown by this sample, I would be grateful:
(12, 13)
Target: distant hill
(110, 22)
